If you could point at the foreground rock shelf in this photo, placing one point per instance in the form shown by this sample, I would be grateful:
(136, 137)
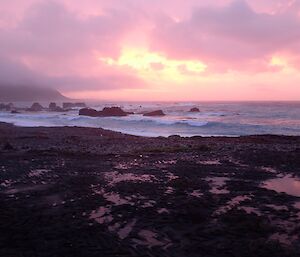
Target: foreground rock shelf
(94, 192)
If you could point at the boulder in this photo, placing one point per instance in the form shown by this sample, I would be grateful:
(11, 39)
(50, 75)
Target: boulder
(36, 107)
(106, 112)
(112, 111)
(194, 109)
(88, 112)
(155, 113)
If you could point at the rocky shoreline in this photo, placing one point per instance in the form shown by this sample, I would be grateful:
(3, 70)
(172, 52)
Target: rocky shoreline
(74, 191)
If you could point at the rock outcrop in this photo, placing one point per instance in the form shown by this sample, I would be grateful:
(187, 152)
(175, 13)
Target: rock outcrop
(6, 107)
(36, 107)
(106, 112)
(194, 109)
(155, 113)
(52, 106)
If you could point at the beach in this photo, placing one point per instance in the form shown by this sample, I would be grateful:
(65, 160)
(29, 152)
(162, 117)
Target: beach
(74, 191)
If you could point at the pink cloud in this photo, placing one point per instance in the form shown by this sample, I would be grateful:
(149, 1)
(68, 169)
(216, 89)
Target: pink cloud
(232, 36)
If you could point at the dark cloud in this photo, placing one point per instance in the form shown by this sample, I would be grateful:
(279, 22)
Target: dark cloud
(51, 35)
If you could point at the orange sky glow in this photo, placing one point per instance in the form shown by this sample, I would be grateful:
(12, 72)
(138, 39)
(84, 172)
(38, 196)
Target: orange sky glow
(166, 50)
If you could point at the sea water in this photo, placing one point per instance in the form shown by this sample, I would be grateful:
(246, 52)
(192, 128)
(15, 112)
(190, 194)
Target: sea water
(214, 118)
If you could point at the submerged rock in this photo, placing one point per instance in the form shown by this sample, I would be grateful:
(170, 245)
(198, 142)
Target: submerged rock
(155, 113)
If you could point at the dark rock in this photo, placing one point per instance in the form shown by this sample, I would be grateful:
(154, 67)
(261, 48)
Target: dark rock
(14, 111)
(55, 108)
(88, 112)
(155, 113)
(36, 107)
(194, 109)
(52, 106)
(113, 111)
(6, 107)
(106, 112)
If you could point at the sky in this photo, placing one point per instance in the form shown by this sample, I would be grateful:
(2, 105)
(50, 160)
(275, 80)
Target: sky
(153, 50)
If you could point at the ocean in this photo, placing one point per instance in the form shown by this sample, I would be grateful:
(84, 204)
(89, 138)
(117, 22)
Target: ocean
(214, 118)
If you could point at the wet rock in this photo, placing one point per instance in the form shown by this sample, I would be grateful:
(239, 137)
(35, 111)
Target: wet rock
(155, 113)
(194, 109)
(88, 112)
(113, 111)
(106, 112)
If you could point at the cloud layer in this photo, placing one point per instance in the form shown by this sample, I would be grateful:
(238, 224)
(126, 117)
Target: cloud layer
(61, 43)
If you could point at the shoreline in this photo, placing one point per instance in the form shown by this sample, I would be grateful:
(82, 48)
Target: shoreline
(74, 191)
(2, 123)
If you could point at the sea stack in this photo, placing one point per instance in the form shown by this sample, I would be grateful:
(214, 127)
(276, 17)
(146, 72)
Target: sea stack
(36, 107)
(52, 106)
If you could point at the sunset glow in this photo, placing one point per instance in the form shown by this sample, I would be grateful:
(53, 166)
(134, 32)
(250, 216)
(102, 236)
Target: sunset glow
(170, 50)
(154, 67)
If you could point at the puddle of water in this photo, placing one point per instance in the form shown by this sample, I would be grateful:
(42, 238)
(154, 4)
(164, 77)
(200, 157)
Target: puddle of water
(210, 162)
(170, 176)
(148, 204)
(37, 173)
(128, 165)
(115, 177)
(163, 210)
(126, 230)
(149, 239)
(114, 227)
(116, 199)
(169, 190)
(102, 215)
(217, 185)
(23, 189)
(283, 238)
(278, 207)
(286, 184)
(196, 193)
(269, 169)
(7, 183)
(250, 210)
(231, 204)
(113, 197)
(169, 161)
